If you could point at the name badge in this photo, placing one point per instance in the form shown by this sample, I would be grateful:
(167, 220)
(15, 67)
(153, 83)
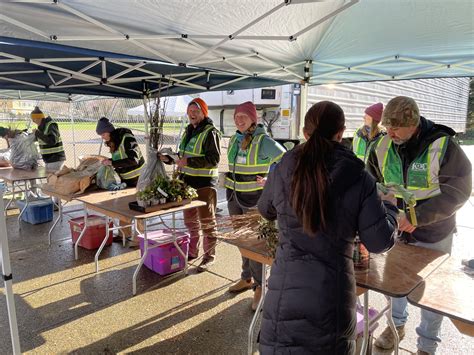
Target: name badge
(241, 160)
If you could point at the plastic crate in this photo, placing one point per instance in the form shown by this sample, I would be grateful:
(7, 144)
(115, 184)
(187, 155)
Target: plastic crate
(95, 232)
(38, 211)
(360, 329)
(165, 259)
(360, 320)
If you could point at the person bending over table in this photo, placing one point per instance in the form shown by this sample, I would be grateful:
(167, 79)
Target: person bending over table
(421, 155)
(322, 197)
(127, 159)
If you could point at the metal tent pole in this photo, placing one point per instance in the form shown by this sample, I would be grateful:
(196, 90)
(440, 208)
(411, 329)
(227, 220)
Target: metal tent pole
(7, 277)
(73, 131)
(147, 120)
(303, 108)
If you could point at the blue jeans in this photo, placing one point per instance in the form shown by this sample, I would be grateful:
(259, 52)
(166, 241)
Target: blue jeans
(428, 330)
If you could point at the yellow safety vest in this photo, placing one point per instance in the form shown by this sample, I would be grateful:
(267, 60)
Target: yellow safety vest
(423, 173)
(192, 149)
(120, 154)
(253, 165)
(45, 148)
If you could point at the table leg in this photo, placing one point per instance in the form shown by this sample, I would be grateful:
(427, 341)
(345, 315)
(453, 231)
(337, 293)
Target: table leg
(60, 217)
(102, 245)
(11, 199)
(26, 201)
(365, 338)
(83, 232)
(124, 237)
(391, 324)
(257, 311)
(142, 259)
(175, 242)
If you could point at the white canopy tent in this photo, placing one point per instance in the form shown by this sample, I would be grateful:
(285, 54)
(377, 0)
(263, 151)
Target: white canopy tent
(302, 41)
(172, 106)
(314, 41)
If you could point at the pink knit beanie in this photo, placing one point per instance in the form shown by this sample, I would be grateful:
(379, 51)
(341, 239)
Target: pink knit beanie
(249, 109)
(375, 111)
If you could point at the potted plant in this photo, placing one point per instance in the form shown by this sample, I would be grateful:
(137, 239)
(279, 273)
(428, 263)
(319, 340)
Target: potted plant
(144, 197)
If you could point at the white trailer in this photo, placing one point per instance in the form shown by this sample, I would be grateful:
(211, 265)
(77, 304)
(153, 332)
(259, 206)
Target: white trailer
(442, 100)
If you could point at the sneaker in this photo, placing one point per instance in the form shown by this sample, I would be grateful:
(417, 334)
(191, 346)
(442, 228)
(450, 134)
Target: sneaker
(205, 264)
(257, 295)
(386, 339)
(241, 285)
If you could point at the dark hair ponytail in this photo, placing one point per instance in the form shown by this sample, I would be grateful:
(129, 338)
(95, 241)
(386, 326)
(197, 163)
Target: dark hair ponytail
(309, 188)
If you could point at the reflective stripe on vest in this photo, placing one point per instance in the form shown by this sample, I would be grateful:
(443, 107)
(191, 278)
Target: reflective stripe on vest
(423, 172)
(252, 167)
(44, 147)
(242, 186)
(192, 149)
(132, 174)
(121, 153)
(252, 164)
(359, 146)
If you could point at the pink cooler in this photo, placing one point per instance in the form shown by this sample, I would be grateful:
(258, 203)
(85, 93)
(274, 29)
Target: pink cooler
(165, 259)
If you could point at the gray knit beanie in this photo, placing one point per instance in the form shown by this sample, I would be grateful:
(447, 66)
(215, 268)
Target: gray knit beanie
(104, 126)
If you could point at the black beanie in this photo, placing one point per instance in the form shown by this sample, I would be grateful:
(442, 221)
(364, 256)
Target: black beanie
(104, 126)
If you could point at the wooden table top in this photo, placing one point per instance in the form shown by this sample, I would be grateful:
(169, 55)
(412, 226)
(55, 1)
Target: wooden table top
(47, 190)
(448, 291)
(10, 174)
(253, 248)
(115, 204)
(395, 273)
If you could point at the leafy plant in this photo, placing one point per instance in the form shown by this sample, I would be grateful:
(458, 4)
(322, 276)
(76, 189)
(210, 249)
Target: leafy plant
(176, 189)
(146, 194)
(268, 230)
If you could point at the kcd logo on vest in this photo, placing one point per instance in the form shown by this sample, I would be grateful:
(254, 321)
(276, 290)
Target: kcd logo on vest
(419, 166)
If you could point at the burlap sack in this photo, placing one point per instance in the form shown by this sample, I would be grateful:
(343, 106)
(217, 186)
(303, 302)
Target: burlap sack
(68, 181)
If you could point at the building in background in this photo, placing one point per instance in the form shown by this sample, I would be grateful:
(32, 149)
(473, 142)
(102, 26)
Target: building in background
(442, 100)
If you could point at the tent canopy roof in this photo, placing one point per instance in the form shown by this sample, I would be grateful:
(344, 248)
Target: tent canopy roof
(51, 67)
(245, 41)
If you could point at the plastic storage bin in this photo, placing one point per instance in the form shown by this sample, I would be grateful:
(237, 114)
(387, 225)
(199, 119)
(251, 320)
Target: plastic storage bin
(38, 211)
(165, 259)
(95, 232)
(360, 329)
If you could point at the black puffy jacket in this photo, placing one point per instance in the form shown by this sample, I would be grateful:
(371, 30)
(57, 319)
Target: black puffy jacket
(310, 304)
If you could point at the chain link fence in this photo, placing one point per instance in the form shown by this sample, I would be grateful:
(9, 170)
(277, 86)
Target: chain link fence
(77, 121)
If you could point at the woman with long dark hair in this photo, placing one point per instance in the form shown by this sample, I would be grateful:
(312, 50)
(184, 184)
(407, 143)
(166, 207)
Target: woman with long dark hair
(322, 197)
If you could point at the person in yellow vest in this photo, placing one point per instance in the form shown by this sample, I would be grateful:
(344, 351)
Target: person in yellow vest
(127, 159)
(424, 158)
(251, 155)
(369, 132)
(49, 139)
(199, 153)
